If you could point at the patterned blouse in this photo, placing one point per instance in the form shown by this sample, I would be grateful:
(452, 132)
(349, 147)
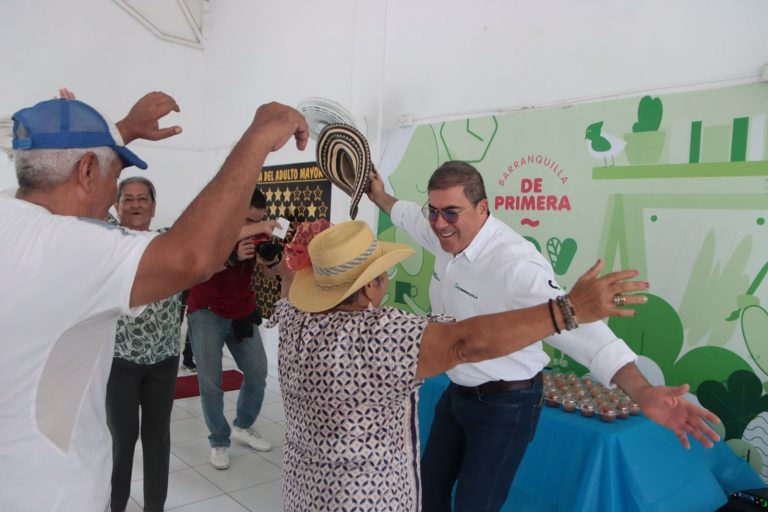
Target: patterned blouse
(153, 336)
(349, 388)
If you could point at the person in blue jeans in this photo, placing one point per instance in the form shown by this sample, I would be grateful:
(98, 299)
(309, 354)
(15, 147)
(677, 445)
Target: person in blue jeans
(221, 311)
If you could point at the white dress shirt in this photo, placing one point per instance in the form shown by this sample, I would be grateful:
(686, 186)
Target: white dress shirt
(500, 271)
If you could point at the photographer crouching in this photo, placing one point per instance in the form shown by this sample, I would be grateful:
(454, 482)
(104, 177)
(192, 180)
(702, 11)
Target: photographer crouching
(223, 310)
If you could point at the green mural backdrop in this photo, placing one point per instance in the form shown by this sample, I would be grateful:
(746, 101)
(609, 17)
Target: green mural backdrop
(675, 186)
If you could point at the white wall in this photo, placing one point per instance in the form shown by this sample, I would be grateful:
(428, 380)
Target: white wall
(384, 60)
(456, 56)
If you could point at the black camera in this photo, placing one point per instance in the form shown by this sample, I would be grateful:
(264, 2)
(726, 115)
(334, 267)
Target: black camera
(268, 251)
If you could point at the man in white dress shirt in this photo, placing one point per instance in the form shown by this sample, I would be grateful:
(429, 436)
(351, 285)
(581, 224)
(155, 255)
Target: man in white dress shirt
(67, 276)
(488, 414)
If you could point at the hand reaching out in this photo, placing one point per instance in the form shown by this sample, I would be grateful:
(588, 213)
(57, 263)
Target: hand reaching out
(142, 121)
(377, 192)
(277, 123)
(595, 297)
(666, 406)
(375, 185)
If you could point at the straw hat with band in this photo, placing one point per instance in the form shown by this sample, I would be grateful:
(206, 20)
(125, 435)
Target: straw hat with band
(344, 258)
(343, 156)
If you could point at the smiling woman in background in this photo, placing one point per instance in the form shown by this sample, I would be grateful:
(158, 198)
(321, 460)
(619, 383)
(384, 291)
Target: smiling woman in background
(143, 373)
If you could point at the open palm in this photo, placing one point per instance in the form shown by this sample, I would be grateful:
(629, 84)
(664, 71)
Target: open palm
(666, 406)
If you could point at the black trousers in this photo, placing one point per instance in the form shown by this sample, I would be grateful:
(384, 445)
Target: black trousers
(150, 387)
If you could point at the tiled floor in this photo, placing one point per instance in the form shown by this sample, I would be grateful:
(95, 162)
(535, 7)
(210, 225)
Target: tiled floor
(252, 482)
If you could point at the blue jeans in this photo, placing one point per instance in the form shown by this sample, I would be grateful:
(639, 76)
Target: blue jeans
(477, 440)
(208, 334)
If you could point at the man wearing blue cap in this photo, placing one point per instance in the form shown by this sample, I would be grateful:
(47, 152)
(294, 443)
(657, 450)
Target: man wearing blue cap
(66, 277)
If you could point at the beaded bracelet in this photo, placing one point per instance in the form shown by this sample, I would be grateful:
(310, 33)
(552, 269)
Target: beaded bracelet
(552, 315)
(566, 309)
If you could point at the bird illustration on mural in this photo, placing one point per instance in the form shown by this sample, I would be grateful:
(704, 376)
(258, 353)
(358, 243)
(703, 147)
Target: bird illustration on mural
(602, 145)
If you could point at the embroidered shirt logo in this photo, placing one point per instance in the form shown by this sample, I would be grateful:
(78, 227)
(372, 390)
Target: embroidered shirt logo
(458, 287)
(552, 284)
(434, 275)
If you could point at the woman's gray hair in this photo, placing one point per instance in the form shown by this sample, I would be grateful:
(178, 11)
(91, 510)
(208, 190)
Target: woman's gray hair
(137, 179)
(45, 169)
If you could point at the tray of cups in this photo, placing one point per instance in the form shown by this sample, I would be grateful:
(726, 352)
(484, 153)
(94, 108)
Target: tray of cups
(571, 393)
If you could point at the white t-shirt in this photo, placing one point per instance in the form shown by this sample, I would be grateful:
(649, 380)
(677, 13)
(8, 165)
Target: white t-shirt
(500, 271)
(64, 281)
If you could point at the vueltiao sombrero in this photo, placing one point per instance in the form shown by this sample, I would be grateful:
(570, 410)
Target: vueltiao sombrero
(344, 258)
(343, 156)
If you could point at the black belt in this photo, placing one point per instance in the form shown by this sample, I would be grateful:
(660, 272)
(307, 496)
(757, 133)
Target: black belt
(500, 386)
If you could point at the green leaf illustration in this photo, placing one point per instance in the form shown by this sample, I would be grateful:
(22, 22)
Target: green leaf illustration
(754, 326)
(737, 404)
(649, 113)
(713, 283)
(561, 254)
(705, 363)
(553, 250)
(657, 333)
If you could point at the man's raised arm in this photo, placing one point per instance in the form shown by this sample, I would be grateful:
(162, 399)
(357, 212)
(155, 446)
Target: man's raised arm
(379, 195)
(202, 237)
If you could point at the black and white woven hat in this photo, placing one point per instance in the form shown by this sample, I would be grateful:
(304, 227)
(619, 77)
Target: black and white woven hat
(345, 159)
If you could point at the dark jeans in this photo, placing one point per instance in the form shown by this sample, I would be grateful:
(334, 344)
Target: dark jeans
(150, 387)
(479, 441)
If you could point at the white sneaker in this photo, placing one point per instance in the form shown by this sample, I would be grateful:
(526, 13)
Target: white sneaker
(220, 457)
(250, 437)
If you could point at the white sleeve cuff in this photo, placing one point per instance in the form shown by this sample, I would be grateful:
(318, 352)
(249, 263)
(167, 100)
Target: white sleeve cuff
(610, 359)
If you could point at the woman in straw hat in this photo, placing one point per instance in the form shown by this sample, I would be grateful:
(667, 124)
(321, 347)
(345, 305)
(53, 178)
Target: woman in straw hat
(349, 370)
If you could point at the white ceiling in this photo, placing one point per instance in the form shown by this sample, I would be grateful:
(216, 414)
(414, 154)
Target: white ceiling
(176, 21)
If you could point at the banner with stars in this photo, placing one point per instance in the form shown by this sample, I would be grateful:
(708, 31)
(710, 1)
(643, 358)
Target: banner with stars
(298, 192)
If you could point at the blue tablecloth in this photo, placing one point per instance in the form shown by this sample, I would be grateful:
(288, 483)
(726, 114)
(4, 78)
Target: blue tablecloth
(584, 464)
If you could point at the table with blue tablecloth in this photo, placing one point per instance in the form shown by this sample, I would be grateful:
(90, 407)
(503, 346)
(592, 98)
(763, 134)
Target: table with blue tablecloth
(584, 464)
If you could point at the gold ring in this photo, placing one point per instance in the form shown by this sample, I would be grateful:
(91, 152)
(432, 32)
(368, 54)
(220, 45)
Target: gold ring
(619, 299)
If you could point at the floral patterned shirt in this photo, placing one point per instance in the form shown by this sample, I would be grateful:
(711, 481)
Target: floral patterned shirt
(153, 336)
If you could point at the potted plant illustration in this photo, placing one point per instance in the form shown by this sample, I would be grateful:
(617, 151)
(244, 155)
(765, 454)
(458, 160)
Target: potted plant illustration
(645, 143)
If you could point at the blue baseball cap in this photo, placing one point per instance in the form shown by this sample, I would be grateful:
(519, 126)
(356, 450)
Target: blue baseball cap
(68, 124)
